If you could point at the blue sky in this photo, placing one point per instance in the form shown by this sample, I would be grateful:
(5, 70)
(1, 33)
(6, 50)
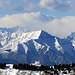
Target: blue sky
(54, 16)
(4, 11)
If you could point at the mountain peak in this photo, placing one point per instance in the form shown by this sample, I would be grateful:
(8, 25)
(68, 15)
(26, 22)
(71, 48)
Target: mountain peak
(44, 35)
(18, 47)
(40, 34)
(71, 36)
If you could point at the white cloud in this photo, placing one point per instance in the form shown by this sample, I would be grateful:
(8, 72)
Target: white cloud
(62, 27)
(35, 21)
(24, 5)
(23, 19)
(27, 5)
(56, 5)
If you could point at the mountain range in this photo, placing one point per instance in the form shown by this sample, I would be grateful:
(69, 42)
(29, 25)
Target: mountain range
(36, 47)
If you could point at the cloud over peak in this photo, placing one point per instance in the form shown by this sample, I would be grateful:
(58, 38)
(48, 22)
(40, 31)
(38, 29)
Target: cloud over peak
(38, 21)
(24, 19)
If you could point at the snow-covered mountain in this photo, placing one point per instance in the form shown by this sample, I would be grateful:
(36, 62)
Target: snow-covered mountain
(16, 46)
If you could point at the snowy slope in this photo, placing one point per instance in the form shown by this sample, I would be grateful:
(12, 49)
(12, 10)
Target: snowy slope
(71, 37)
(19, 72)
(11, 71)
(36, 46)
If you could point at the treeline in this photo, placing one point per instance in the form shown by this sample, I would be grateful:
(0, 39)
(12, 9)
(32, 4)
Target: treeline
(59, 67)
(65, 67)
(31, 67)
(2, 65)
